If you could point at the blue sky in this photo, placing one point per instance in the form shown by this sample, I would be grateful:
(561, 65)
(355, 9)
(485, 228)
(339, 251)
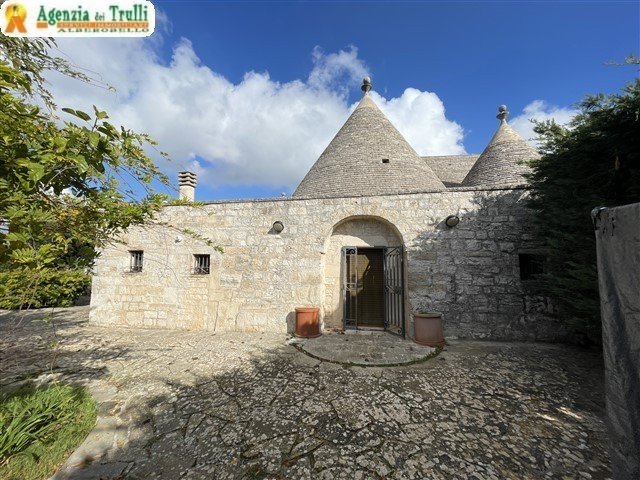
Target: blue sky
(462, 59)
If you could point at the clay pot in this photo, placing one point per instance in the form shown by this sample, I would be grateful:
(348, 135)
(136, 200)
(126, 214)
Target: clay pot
(427, 329)
(307, 322)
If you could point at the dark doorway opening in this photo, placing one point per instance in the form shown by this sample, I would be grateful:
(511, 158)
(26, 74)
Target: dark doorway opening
(366, 300)
(373, 288)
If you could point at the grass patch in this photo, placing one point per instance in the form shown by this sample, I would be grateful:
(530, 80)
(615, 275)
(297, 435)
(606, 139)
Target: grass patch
(40, 427)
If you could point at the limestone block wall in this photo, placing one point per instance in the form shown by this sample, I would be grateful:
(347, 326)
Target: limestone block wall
(469, 272)
(165, 294)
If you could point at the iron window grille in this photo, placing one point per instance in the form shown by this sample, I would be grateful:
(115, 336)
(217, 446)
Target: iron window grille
(202, 264)
(530, 265)
(135, 265)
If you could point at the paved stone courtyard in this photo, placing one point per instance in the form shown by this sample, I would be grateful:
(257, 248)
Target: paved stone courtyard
(197, 405)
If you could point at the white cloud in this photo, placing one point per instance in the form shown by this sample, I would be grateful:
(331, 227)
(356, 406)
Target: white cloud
(258, 131)
(539, 110)
(420, 117)
(344, 67)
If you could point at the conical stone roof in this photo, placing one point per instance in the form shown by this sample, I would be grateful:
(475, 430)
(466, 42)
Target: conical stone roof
(368, 156)
(500, 162)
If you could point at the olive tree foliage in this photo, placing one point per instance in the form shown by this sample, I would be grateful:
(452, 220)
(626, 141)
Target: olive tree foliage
(68, 178)
(595, 161)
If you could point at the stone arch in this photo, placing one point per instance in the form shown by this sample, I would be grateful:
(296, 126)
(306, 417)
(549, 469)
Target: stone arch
(358, 231)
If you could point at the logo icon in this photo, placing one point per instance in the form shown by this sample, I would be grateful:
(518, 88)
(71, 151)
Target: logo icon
(77, 18)
(16, 15)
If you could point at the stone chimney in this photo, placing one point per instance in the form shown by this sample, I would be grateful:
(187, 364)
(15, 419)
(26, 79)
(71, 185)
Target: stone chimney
(187, 185)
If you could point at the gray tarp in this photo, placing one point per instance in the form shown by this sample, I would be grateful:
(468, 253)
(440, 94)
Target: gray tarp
(618, 239)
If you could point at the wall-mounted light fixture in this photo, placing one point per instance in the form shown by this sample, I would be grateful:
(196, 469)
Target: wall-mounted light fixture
(451, 221)
(278, 226)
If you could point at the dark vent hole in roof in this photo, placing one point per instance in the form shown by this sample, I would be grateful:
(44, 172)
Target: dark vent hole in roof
(385, 160)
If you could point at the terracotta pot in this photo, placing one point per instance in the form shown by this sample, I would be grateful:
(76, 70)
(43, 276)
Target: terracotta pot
(307, 322)
(427, 329)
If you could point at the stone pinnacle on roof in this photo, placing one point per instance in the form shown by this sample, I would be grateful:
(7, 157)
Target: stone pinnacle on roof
(366, 85)
(502, 114)
(502, 161)
(368, 156)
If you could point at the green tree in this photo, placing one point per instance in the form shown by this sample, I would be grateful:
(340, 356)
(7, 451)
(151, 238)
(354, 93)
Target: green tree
(593, 162)
(67, 187)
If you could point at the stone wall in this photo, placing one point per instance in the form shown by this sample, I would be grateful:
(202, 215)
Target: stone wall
(469, 272)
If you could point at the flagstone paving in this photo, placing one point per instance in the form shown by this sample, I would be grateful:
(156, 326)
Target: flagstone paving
(197, 405)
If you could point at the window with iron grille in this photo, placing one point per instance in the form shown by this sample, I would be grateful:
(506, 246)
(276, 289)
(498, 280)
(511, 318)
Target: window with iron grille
(202, 264)
(531, 265)
(135, 264)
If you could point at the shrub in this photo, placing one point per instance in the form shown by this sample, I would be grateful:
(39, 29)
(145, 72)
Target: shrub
(24, 287)
(594, 163)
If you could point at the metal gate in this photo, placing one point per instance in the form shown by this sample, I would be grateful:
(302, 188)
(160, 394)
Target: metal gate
(350, 286)
(393, 289)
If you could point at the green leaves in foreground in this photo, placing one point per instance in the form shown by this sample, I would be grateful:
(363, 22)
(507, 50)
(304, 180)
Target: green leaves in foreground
(40, 427)
(68, 185)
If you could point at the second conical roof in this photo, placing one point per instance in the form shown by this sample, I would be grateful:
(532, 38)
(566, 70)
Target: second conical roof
(368, 156)
(503, 161)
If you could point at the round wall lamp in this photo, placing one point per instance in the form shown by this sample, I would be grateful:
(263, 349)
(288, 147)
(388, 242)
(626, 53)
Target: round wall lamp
(278, 226)
(451, 221)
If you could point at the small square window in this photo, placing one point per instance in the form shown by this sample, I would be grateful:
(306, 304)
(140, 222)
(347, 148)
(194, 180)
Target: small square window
(202, 264)
(385, 160)
(135, 262)
(531, 265)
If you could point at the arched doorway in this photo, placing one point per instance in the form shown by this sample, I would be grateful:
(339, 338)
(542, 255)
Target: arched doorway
(364, 276)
